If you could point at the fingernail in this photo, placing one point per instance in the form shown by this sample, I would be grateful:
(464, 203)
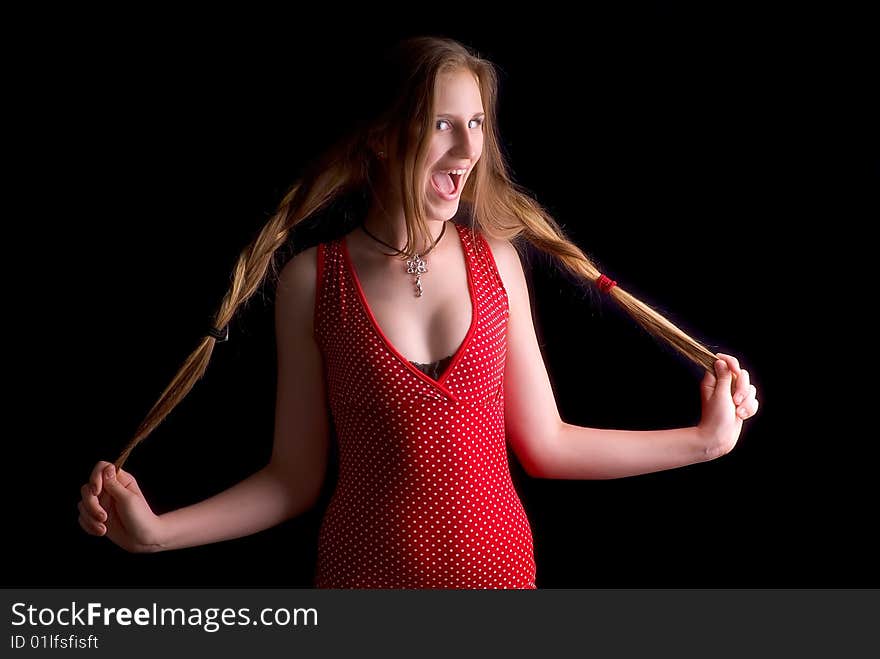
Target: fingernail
(722, 366)
(109, 472)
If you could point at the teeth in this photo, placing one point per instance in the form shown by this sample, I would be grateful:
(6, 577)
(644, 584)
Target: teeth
(460, 172)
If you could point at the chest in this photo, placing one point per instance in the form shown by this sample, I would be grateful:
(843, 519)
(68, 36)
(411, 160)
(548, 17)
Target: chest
(424, 328)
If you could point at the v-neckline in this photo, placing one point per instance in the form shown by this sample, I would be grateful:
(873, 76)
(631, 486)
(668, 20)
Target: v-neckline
(456, 356)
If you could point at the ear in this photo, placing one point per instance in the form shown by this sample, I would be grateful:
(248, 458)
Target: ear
(378, 145)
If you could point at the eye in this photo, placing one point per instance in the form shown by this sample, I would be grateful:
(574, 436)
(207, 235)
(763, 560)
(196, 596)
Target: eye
(473, 123)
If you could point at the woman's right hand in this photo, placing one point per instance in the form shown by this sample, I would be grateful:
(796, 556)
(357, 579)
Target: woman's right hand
(113, 505)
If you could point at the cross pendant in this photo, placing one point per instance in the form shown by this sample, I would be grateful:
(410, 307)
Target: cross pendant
(416, 266)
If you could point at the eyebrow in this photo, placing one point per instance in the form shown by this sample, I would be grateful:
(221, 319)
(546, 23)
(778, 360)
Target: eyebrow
(451, 116)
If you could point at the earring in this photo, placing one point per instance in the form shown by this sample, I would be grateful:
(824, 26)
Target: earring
(381, 154)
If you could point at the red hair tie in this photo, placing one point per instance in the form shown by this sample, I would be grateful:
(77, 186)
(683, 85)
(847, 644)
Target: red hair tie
(605, 284)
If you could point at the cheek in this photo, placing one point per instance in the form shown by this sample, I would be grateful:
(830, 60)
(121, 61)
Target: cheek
(478, 147)
(434, 158)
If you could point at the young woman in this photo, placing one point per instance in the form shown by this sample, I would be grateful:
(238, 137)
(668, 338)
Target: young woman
(415, 331)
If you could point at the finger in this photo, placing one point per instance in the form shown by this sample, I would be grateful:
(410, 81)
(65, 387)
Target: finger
(747, 409)
(128, 481)
(91, 521)
(112, 485)
(90, 526)
(96, 479)
(749, 398)
(742, 387)
(707, 386)
(723, 376)
(733, 367)
(90, 503)
(732, 362)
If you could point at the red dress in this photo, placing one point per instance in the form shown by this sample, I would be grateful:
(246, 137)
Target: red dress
(424, 497)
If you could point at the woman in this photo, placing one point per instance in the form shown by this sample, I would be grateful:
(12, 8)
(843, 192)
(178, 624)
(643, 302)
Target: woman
(415, 331)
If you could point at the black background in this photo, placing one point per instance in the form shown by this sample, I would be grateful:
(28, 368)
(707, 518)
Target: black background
(710, 162)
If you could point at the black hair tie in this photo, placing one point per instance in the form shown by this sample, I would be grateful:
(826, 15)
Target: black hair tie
(220, 335)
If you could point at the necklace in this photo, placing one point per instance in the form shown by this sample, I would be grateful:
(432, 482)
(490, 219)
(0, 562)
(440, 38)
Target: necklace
(416, 265)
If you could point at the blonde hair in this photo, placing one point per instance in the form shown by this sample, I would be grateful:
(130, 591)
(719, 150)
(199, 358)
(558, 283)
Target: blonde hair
(500, 208)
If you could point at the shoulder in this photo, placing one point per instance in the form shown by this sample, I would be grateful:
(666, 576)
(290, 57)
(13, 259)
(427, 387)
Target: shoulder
(300, 272)
(508, 263)
(295, 294)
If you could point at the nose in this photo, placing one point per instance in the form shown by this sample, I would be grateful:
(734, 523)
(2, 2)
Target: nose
(467, 145)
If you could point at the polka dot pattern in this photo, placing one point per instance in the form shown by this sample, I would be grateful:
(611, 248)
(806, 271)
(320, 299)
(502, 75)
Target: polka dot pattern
(424, 497)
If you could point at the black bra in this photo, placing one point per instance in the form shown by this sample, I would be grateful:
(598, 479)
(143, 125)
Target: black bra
(434, 369)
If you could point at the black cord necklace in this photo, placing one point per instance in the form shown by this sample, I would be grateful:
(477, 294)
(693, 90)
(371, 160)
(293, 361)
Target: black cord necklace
(416, 265)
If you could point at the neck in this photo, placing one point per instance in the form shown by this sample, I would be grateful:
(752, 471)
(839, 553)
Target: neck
(391, 227)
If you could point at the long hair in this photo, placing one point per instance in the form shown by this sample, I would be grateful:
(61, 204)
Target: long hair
(401, 107)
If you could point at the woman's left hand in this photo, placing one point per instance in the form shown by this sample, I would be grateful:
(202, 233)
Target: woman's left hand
(725, 405)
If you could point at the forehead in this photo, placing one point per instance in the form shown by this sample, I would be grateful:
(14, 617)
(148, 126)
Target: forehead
(457, 91)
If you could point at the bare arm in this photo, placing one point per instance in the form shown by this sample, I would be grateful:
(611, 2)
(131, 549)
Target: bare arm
(597, 453)
(290, 484)
(545, 445)
(113, 505)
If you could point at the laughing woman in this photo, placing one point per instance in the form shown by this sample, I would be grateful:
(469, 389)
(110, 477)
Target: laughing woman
(414, 330)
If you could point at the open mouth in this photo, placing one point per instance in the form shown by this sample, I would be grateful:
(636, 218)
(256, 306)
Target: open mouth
(447, 183)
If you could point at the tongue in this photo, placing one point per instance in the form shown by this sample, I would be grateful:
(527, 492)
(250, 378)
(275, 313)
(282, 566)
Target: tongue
(443, 182)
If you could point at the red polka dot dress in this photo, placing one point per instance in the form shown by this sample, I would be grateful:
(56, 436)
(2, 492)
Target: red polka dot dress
(424, 497)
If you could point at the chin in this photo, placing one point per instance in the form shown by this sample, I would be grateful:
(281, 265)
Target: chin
(441, 210)
(443, 215)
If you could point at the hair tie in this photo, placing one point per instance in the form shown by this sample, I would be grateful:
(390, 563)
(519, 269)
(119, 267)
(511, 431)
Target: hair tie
(220, 335)
(605, 284)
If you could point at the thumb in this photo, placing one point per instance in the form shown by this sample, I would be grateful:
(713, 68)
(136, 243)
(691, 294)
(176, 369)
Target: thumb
(707, 386)
(116, 489)
(723, 375)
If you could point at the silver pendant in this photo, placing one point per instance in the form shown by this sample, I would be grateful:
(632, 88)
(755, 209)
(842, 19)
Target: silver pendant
(417, 266)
